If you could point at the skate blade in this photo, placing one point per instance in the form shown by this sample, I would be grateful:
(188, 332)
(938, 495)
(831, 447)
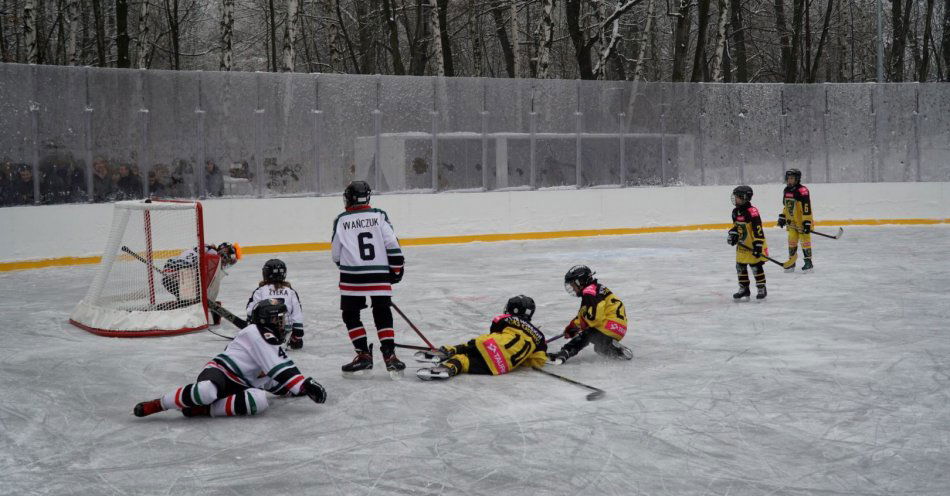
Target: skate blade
(790, 270)
(424, 357)
(425, 375)
(557, 361)
(359, 374)
(396, 375)
(740, 300)
(809, 271)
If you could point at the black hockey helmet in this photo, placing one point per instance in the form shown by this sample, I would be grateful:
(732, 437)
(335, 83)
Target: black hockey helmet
(275, 270)
(797, 174)
(742, 192)
(357, 193)
(268, 316)
(520, 306)
(578, 278)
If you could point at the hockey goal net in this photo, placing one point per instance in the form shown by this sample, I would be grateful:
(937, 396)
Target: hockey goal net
(149, 282)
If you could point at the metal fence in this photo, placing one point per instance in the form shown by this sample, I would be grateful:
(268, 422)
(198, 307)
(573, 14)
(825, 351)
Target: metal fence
(85, 134)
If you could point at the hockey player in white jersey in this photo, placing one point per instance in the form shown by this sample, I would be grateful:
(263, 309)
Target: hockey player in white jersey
(366, 250)
(234, 382)
(274, 285)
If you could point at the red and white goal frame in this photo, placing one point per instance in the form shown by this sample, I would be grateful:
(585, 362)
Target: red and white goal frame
(153, 275)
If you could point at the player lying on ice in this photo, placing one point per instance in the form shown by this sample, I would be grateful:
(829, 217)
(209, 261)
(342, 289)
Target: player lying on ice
(511, 342)
(235, 381)
(601, 319)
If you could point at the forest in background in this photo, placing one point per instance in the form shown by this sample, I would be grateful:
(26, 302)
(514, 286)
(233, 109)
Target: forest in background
(791, 41)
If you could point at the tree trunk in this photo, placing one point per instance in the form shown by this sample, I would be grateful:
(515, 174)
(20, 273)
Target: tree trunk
(813, 72)
(515, 43)
(393, 28)
(899, 17)
(608, 50)
(141, 38)
(290, 36)
(446, 41)
(272, 39)
(100, 31)
(547, 38)
(572, 9)
(333, 39)
(72, 46)
(29, 30)
(122, 34)
(346, 36)
(644, 42)
(4, 55)
(925, 58)
(227, 35)
(497, 13)
(720, 41)
(436, 31)
(738, 42)
(699, 56)
(681, 41)
(364, 34)
(474, 33)
(945, 42)
(420, 47)
(782, 30)
(791, 74)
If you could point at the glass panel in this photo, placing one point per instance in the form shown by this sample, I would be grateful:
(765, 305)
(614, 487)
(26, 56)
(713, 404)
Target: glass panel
(602, 126)
(897, 147)
(555, 104)
(934, 132)
(850, 128)
(16, 157)
(172, 139)
(803, 132)
(721, 135)
(233, 138)
(405, 147)
(60, 94)
(760, 143)
(288, 101)
(459, 102)
(508, 102)
(680, 127)
(348, 140)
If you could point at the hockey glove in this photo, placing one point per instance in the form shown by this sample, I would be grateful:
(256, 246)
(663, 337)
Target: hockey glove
(781, 220)
(757, 249)
(447, 351)
(806, 227)
(733, 238)
(314, 390)
(396, 276)
(571, 330)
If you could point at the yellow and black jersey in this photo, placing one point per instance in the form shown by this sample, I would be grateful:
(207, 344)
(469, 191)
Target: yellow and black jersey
(747, 221)
(601, 310)
(511, 343)
(796, 202)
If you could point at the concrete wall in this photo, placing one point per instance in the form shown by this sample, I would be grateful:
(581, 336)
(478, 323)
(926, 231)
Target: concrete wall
(49, 232)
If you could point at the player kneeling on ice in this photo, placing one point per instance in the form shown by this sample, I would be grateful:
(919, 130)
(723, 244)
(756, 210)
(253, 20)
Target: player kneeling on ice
(234, 382)
(601, 319)
(748, 237)
(274, 285)
(180, 274)
(512, 341)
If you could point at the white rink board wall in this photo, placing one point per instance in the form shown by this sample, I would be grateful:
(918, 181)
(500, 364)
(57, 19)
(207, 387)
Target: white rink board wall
(79, 230)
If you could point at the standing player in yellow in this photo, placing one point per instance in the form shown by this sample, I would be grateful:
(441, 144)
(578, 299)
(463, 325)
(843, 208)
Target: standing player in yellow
(511, 342)
(747, 230)
(796, 214)
(601, 319)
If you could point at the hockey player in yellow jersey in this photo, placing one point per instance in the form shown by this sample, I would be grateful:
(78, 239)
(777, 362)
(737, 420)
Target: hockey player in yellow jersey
(796, 215)
(748, 237)
(601, 319)
(512, 341)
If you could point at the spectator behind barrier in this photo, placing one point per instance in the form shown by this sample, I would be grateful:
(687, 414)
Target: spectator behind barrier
(156, 181)
(129, 185)
(214, 180)
(103, 189)
(6, 182)
(54, 180)
(22, 191)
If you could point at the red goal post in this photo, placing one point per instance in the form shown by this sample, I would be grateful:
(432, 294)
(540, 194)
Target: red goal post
(153, 275)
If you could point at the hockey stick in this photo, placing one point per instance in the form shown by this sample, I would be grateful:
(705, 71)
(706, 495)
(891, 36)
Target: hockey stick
(595, 395)
(413, 326)
(423, 348)
(227, 315)
(837, 236)
(770, 259)
(140, 259)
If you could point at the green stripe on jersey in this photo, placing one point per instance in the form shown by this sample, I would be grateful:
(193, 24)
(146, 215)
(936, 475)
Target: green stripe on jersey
(233, 366)
(364, 268)
(195, 396)
(251, 405)
(274, 371)
(394, 251)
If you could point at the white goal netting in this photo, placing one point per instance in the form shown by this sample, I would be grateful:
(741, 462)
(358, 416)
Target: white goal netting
(149, 282)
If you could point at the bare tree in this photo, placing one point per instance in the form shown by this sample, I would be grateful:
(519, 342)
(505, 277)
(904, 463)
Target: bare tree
(497, 11)
(644, 42)
(398, 68)
(72, 47)
(515, 44)
(738, 42)
(29, 30)
(945, 43)
(924, 63)
(720, 41)
(699, 55)
(227, 35)
(681, 40)
(290, 36)
(122, 33)
(547, 38)
(436, 31)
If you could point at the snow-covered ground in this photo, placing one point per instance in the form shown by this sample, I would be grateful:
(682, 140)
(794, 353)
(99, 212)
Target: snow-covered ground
(838, 383)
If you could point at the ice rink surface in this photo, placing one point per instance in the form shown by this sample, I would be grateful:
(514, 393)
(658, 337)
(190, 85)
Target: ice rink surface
(838, 383)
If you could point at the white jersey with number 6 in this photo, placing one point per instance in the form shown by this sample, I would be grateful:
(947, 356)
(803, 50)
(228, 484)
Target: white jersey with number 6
(366, 249)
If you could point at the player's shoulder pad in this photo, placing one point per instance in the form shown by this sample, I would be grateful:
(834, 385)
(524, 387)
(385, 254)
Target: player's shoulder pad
(590, 290)
(753, 212)
(803, 190)
(499, 323)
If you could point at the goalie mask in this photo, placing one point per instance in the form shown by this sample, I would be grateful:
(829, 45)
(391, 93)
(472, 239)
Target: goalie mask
(520, 306)
(268, 316)
(578, 278)
(229, 253)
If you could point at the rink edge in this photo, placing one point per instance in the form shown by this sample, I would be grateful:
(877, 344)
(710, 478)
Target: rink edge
(473, 238)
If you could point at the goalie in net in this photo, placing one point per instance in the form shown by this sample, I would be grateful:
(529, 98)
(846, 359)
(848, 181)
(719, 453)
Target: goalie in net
(179, 272)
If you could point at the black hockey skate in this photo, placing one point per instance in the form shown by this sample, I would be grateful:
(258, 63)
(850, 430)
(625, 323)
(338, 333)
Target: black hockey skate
(621, 352)
(558, 358)
(361, 367)
(394, 366)
(743, 294)
(807, 267)
(439, 372)
(761, 294)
